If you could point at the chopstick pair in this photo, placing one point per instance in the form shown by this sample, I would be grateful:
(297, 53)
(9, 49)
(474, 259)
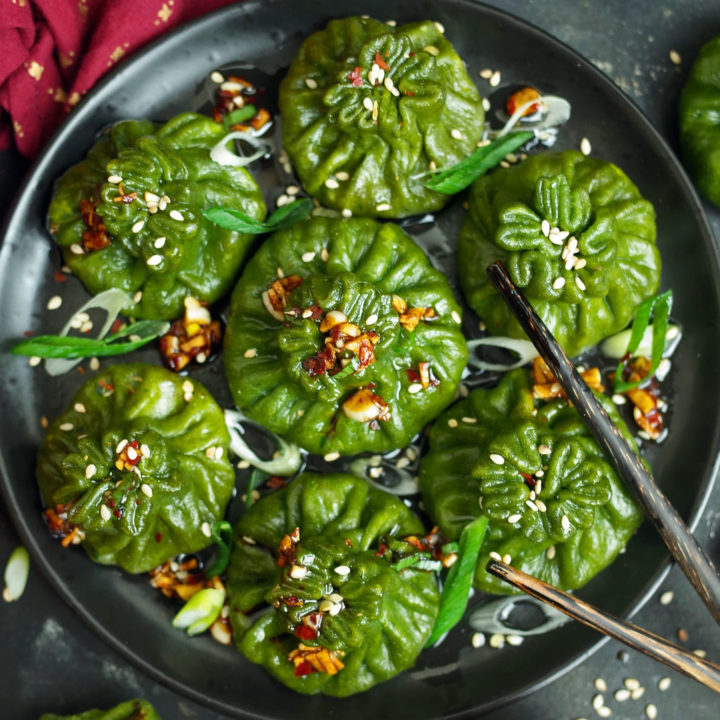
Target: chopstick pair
(675, 534)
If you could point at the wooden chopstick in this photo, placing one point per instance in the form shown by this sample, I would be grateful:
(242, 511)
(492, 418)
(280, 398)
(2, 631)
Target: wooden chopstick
(692, 559)
(674, 656)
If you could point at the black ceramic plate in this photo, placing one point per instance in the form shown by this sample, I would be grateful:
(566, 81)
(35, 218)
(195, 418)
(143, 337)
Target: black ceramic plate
(454, 680)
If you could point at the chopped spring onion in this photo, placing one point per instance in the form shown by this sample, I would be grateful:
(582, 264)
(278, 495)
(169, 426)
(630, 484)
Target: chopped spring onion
(200, 611)
(16, 574)
(456, 178)
(286, 461)
(239, 222)
(73, 347)
(524, 349)
(221, 533)
(615, 347)
(222, 155)
(240, 115)
(458, 583)
(419, 561)
(660, 307)
(555, 112)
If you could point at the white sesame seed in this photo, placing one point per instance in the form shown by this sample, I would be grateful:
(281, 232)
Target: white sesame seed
(600, 685)
(631, 683)
(137, 297)
(663, 369)
(402, 463)
(114, 179)
(485, 74)
(243, 465)
(664, 684)
(414, 388)
(619, 399)
(585, 146)
(312, 84)
(138, 226)
(205, 529)
(121, 446)
(700, 653)
(34, 360)
(217, 77)
(580, 263)
(342, 570)
(565, 522)
(432, 50)
(495, 79)
(54, 302)
(495, 556)
(105, 512)
(371, 319)
(145, 450)
(346, 213)
(452, 422)
(550, 552)
(514, 640)
(159, 242)
(283, 200)
(292, 189)
(79, 408)
(477, 640)
(456, 134)
(131, 453)
(598, 701)
(90, 470)
(486, 104)
(531, 505)
(497, 458)
(368, 103)
(383, 207)
(675, 57)
(637, 693)
(541, 505)
(219, 452)
(507, 559)
(440, 28)
(331, 457)
(391, 23)
(342, 176)
(497, 640)
(154, 260)
(250, 353)
(579, 283)
(66, 427)
(604, 711)
(375, 472)
(514, 518)
(622, 695)
(455, 315)
(307, 256)
(504, 164)
(470, 420)
(651, 711)
(545, 228)
(332, 183)
(297, 572)
(666, 597)
(77, 249)
(559, 283)
(146, 490)
(544, 450)
(175, 215)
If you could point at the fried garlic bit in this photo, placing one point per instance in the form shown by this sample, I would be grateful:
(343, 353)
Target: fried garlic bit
(315, 659)
(546, 386)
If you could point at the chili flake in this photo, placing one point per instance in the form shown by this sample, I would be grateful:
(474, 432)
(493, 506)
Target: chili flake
(95, 237)
(315, 659)
(286, 551)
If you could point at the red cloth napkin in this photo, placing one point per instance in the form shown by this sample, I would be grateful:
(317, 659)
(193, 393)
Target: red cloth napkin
(54, 51)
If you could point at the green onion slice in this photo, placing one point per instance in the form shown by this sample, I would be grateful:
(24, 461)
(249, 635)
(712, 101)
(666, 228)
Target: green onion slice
(221, 534)
(240, 115)
(200, 611)
(239, 222)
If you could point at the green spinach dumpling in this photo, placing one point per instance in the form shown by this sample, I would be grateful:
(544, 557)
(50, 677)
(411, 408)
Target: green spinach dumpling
(138, 466)
(555, 505)
(129, 216)
(575, 235)
(130, 710)
(343, 618)
(343, 337)
(368, 109)
(700, 121)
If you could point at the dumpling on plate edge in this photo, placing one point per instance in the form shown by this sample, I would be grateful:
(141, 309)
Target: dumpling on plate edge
(342, 337)
(136, 467)
(369, 109)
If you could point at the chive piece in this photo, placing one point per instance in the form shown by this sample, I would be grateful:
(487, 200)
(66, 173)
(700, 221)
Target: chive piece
(257, 477)
(349, 369)
(456, 590)
(200, 611)
(239, 222)
(451, 547)
(458, 177)
(221, 534)
(240, 115)
(409, 561)
(660, 307)
(73, 347)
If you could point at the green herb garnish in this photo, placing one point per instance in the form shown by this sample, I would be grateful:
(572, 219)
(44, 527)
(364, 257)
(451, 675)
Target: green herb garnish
(221, 533)
(239, 222)
(456, 589)
(660, 307)
(240, 115)
(257, 477)
(458, 177)
(200, 611)
(73, 347)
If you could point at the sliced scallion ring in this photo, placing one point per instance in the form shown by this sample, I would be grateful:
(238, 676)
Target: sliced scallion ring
(222, 155)
(200, 611)
(524, 349)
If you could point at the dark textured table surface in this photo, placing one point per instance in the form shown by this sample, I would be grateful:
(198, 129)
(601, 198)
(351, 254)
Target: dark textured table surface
(49, 660)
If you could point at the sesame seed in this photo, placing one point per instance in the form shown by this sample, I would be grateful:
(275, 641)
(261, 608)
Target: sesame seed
(432, 50)
(604, 711)
(545, 228)
(371, 319)
(76, 249)
(651, 711)
(114, 179)
(292, 189)
(664, 684)
(580, 263)
(440, 28)
(145, 450)
(217, 77)
(138, 226)
(477, 640)
(495, 79)
(507, 559)
(187, 387)
(137, 297)
(342, 176)
(159, 242)
(486, 104)
(368, 103)
(79, 408)
(565, 522)
(205, 529)
(455, 315)
(343, 570)
(414, 388)
(105, 512)
(382, 207)
(485, 74)
(250, 353)
(332, 183)
(307, 257)
(666, 597)
(504, 164)
(131, 453)
(312, 84)
(514, 640)
(282, 200)
(675, 57)
(391, 23)
(497, 640)
(550, 552)
(544, 450)
(455, 133)
(638, 693)
(600, 684)
(219, 452)
(585, 146)
(495, 556)
(598, 701)
(66, 427)
(146, 490)
(700, 653)
(452, 422)
(375, 472)
(243, 465)
(469, 420)
(402, 463)
(154, 260)
(514, 518)
(297, 572)
(175, 215)
(34, 360)
(541, 505)
(90, 470)
(531, 505)
(346, 213)
(375, 110)
(622, 695)
(619, 399)
(559, 283)
(631, 683)
(579, 283)
(54, 302)
(331, 457)
(497, 459)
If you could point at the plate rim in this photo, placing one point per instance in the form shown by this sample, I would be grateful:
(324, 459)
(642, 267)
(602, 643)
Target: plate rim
(670, 159)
